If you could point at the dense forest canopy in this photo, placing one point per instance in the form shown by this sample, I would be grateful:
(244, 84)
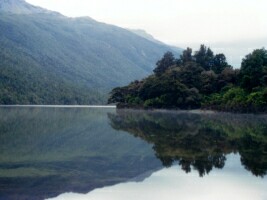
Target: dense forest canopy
(200, 80)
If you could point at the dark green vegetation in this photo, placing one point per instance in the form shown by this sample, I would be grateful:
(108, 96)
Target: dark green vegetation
(200, 80)
(199, 141)
(46, 58)
(48, 151)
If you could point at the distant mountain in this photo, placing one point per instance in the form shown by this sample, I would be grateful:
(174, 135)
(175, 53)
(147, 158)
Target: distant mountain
(47, 58)
(150, 37)
(19, 7)
(144, 34)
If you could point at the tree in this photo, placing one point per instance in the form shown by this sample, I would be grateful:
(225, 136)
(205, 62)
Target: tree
(117, 95)
(163, 64)
(219, 63)
(253, 69)
(200, 55)
(202, 80)
(186, 56)
(209, 59)
(204, 57)
(208, 82)
(188, 74)
(228, 76)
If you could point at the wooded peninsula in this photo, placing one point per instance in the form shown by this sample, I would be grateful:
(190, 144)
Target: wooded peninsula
(200, 80)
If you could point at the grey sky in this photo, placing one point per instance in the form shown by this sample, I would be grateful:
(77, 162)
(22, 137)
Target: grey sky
(179, 22)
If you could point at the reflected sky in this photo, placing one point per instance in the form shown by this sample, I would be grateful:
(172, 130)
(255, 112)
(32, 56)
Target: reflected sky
(108, 154)
(233, 183)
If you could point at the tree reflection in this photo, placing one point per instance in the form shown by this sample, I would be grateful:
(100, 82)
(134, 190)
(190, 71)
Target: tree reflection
(253, 155)
(199, 141)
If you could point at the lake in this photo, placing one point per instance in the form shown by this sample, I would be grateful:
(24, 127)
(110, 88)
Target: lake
(104, 153)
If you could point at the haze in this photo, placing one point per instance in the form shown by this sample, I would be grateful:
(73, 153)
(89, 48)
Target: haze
(239, 25)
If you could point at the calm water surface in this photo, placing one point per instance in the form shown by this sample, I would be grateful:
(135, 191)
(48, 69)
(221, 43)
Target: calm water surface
(101, 153)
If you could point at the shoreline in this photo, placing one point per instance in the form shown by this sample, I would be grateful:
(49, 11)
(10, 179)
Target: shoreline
(199, 110)
(59, 106)
(119, 108)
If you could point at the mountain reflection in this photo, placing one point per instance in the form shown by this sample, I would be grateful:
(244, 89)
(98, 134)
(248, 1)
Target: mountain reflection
(199, 141)
(48, 151)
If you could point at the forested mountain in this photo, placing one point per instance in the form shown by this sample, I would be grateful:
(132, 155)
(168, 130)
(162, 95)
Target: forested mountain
(47, 58)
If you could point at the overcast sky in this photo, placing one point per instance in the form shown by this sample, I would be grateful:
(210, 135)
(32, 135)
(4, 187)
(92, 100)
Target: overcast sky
(179, 22)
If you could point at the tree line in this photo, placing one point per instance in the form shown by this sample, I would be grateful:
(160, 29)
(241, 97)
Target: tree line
(200, 79)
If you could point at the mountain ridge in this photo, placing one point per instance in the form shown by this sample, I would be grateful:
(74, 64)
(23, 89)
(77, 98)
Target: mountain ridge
(146, 35)
(20, 7)
(60, 60)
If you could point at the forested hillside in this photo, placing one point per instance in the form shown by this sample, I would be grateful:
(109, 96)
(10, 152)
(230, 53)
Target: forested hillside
(47, 58)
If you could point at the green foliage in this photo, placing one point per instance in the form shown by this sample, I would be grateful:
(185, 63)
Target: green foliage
(238, 99)
(186, 56)
(188, 74)
(200, 81)
(234, 95)
(253, 70)
(219, 63)
(162, 65)
(204, 57)
(258, 99)
(209, 82)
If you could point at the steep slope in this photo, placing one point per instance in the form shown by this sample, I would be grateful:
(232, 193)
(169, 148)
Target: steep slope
(150, 37)
(19, 7)
(48, 58)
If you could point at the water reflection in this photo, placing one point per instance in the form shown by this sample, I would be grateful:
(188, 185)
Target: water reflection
(45, 152)
(172, 183)
(199, 141)
(48, 151)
